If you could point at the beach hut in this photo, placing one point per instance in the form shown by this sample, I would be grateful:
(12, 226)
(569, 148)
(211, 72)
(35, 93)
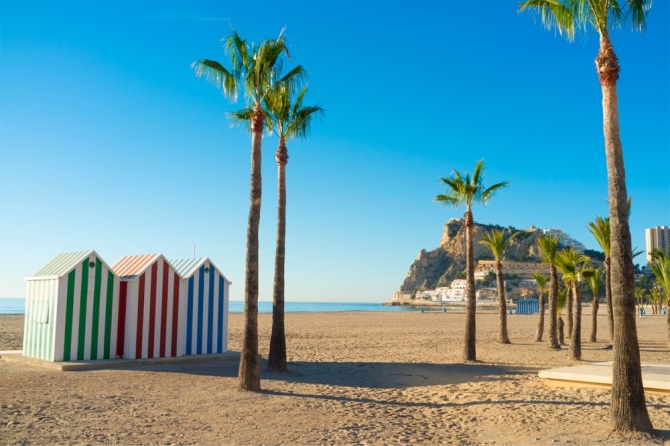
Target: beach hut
(151, 305)
(527, 306)
(206, 306)
(72, 309)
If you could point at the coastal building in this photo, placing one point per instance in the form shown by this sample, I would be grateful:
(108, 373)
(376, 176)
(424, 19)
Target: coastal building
(151, 307)
(206, 299)
(72, 309)
(657, 238)
(519, 268)
(566, 240)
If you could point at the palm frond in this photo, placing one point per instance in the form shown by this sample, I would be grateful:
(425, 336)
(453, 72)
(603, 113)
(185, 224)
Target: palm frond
(548, 245)
(241, 118)
(491, 191)
(218, 75)
(600, 230)
(554, 14)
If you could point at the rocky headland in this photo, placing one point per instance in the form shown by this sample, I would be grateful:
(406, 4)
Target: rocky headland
(440, 266)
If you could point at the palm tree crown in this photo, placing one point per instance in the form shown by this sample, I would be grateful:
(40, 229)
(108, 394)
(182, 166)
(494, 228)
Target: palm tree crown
(548, 245)
(571, 262)
(600, 230)
(496, 242)
(541, 279)
(594, 277)
(468, 189)
(257, 67)
(570, 16)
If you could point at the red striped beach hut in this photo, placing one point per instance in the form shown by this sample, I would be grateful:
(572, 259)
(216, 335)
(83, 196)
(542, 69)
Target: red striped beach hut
(72, 309)
(206, 317)
(151, 303)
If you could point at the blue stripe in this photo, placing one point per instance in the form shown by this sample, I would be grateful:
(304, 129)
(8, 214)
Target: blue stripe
(220, 331)
(201, 294)
(189, 318)
(210, 313)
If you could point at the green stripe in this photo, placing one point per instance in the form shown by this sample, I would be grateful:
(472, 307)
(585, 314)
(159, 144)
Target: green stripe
(96, 309)
(83, 300)
(52, 319)
(68, 315)
(108, 313)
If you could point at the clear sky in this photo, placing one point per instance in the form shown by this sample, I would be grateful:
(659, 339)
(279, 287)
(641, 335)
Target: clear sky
(109, 141)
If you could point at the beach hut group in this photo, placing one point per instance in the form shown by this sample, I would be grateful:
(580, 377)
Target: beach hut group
(144, 306)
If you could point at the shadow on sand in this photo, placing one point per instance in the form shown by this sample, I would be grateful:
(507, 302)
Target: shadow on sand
(355, 374)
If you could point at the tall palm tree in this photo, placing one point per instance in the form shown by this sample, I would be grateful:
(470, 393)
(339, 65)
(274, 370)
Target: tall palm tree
(288, 118)
(600, 229)
(467, 190)
(256, 69)
(496, 242)
(594, 276)
(548, 245)
(571, 262)
(628, 408)
(541, 281)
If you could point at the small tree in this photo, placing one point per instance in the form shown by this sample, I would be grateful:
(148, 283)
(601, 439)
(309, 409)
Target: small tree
(541, 279)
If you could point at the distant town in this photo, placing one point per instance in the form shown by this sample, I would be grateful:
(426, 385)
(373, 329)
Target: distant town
(518, 280)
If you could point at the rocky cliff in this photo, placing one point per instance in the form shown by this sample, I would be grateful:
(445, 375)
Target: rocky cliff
(439, 267)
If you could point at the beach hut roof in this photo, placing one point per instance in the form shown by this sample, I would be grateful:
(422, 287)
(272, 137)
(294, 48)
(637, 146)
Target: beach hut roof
(130, 267)
(63, 264)
(186, 267)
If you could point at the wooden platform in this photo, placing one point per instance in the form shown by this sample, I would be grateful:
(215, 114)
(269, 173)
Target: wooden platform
(655, 376)
(17, 357)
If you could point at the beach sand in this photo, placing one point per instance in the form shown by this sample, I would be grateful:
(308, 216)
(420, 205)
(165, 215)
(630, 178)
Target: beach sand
(355, 378)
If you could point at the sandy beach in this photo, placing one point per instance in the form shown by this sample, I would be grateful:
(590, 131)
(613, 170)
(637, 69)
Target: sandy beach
(355, 378)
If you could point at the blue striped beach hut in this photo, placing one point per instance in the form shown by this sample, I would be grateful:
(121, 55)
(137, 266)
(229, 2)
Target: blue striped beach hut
(527, 306)
(206, 306)
(72, 309)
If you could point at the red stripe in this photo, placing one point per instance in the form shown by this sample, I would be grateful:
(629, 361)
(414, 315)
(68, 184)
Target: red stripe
(175, 314)
(121, 332)
(164, 308)
(152, 309)
(140, 318)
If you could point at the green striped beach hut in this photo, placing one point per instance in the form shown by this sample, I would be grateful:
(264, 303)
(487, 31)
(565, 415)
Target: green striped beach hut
(72, 309)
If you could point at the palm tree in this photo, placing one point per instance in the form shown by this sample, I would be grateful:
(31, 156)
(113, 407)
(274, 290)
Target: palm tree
(287, 118)
(660, 266)
(628, 408)
(594, 276)
(548, 245)
(496, 242)
(571, 262)
(600, 229)
(467, 190)
(257, 69)
(640, 294)
(541, 281)
(561, 299)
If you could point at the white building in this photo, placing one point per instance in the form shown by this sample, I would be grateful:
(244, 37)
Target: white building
(566, 240)
(657, 238)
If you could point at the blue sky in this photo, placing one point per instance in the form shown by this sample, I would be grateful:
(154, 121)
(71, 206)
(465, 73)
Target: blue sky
(109, 141)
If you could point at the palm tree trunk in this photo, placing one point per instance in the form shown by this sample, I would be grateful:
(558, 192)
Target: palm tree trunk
(608, 298)
(277, 355)
(594, 319)
(469, 348)
(553, 296)
(540, 321)
(628, 409)
(561, 335)
(575, 351)
(570, 317)
(503, 338)
(249, 377)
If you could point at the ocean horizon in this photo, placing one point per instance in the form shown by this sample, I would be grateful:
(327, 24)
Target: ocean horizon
(18, 306)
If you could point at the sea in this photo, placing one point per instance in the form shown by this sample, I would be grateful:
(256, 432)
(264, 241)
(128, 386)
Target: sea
(18, 306)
